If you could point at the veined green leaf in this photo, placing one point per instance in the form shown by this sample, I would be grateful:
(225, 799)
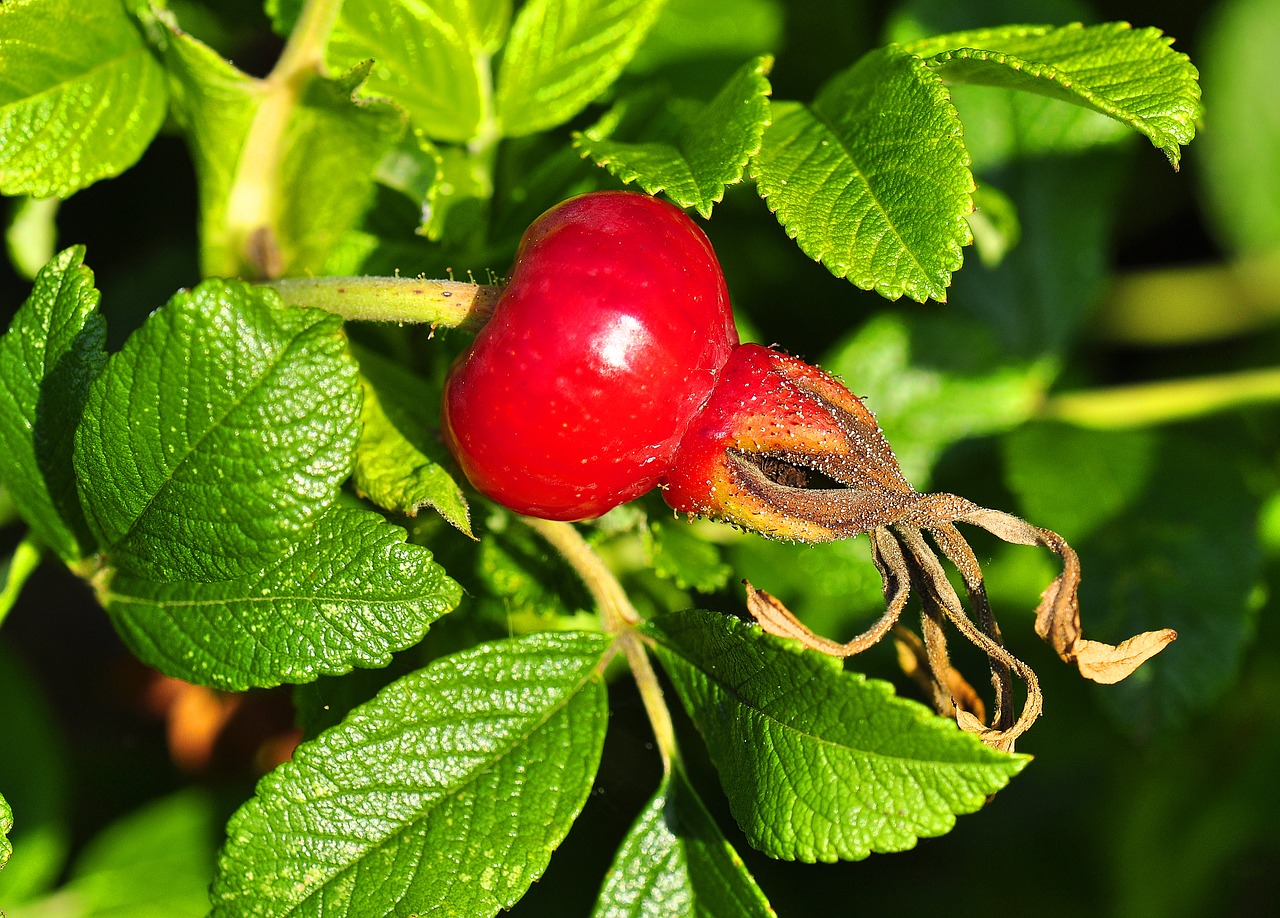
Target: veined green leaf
(218, 433)
(1129, 74)
(398, 462)
(284, 207)
(430, 57)
(348, 593)
(675, 862)
(49, 358)
(445, 794)
(820, 764)
(81, 95)
(678, 552)
(562, 54)
(699, 156)
(873, 179)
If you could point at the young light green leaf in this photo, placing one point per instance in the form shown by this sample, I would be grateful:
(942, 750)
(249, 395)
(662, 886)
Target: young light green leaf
(81, 95)
(49, 358)
(700, 155)
(562, 54)
(820, 764)
(1128, 74)
(117, 874)
(873, 179)
(217, 434)
(429, 59)
(934, 381)
(446, 794)
(285, 207)
(350, 592)
(675, 862)
(398, 462)
(1241, 154)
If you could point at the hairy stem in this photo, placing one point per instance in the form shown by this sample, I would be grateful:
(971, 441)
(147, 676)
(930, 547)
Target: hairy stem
(1164, 402)
(620, 619)
(453, 304)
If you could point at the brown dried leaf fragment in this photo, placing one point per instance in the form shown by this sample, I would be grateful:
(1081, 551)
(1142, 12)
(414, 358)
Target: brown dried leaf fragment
(1109, 664)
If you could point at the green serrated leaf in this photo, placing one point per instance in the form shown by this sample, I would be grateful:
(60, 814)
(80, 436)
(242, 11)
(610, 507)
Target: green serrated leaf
(219, 432)
(398, 462)
(1242, 152)
(6, 826)
(429, 57)
(820, 764)
(675, 862)
(475, 767)
(873, 179)
(1128, 74)
(81, 95)
(695, 30)
(349, 593)
(562, 54)
(49, 357)
(932, 381)
(696, 161)
(679, 554)
(284, 208)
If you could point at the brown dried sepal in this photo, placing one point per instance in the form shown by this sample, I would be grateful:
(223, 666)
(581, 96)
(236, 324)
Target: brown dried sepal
(822, 470)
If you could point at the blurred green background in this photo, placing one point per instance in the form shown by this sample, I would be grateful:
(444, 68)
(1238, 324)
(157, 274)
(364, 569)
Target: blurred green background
(1154, 798)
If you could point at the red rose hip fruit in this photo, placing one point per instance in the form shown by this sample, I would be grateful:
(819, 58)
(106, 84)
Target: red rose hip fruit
(606, 341)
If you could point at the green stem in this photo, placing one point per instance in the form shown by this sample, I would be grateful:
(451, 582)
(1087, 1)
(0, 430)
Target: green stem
(620, 619)
(253, 201)
(453, 304)
(1164, 402)
(25, 559)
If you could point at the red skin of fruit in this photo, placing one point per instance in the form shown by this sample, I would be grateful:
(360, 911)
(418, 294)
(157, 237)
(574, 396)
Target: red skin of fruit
(607, 340)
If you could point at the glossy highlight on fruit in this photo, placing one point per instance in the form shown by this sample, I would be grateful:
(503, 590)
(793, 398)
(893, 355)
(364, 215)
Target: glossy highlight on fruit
(607, 340)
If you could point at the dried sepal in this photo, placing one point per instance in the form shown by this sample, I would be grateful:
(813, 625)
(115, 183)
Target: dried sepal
(785, 450)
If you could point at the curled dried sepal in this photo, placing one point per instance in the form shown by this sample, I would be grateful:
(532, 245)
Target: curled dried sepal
(785, 450)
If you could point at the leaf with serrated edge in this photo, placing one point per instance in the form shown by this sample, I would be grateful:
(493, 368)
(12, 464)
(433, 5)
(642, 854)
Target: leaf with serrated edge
(1129, 74)
(427, 59)
(217, 434)
(873, 179)
(445, 794)
(81, 95)
(349, 593)
(561, 54)
(398, 462)
(6, 826)
(49, 357)
(708, 152)
(820, 764)
(675, 862)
